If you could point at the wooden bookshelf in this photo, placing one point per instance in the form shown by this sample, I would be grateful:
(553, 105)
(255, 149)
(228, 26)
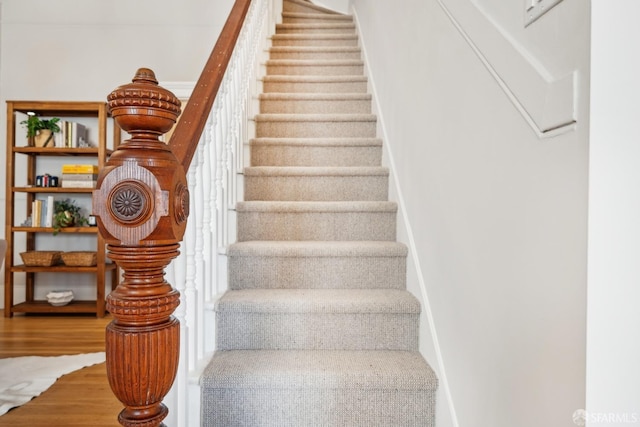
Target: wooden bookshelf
(25, 235)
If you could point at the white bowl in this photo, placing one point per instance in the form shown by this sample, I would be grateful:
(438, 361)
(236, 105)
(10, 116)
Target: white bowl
(59, 298)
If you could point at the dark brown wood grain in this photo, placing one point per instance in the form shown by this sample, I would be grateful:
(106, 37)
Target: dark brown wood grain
(139, 204)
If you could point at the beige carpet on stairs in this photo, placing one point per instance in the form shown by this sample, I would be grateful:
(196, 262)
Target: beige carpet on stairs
(317, 327)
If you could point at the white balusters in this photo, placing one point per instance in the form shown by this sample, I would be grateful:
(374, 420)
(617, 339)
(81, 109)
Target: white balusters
(209, 206)
(189, 298)
(178, 397)
(199, 273)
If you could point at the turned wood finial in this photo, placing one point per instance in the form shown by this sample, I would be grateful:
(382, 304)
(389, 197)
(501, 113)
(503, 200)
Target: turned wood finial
(142, 108)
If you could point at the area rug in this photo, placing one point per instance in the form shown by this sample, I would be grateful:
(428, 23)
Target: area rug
(23, 378)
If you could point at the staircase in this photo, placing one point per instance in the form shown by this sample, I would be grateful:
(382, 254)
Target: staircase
(317, 328)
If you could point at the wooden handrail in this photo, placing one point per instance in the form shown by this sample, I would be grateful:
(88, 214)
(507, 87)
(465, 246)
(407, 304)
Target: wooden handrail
(186, 135)
(141, 204)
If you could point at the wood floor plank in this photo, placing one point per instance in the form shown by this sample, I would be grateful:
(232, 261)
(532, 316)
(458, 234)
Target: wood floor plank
(81, 398)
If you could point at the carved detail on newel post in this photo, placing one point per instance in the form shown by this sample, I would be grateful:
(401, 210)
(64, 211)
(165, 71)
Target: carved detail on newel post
(141, 205)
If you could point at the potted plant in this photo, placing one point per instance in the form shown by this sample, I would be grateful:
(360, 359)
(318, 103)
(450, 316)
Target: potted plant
(40, 131)
(66, 213)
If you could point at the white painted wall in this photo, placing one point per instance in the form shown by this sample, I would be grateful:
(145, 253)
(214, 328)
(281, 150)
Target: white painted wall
(613, 347)
(341, 6)
(495, 212)
(83, 49)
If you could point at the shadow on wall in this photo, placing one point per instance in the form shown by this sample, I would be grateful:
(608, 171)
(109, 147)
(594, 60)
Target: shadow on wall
(3, 250)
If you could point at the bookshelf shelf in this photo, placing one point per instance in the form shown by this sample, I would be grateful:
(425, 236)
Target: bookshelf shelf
(22, 166)
(51, 190)
(61, 269)
(43, 307)
(73, 230)
(50, 151)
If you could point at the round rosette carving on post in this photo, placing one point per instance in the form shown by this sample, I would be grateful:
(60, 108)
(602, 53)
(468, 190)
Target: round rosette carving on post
(134, 201)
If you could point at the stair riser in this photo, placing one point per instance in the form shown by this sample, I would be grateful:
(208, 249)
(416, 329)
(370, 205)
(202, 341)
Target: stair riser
(311, 29)
(319, 55)
(314, 70)
(315, 41)
(351, 407)
(316, 331)
(320, 19)
(316, 188)
(265, 272)
(315, 129)
(316, 226)
(287, 155)
(328, 106)
(315, 87)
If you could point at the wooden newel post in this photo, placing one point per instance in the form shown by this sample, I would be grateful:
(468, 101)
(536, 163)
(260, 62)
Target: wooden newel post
(141, 203)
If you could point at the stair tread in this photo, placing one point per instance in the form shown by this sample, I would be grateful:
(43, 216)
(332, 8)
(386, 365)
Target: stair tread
(326, 142)
(327, 301)
(313, 49)
(314, 96)
(332, 369)
(315, 117)
(313, 248)
(327, 16)
(314, 25)
(301, 207)
(314, 62)
(316, 171)
(292, 78)
(326, 36)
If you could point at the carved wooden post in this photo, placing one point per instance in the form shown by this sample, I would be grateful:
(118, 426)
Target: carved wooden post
(141, 204)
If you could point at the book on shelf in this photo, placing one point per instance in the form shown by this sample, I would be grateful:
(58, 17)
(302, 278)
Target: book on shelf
(79, 169)
(48, 219)
(69, 183)
(72, 135)
(80, 176)
(36, 213)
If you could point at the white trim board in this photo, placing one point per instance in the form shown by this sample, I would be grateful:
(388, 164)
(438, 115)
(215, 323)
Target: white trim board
(546, 102)
(182, 90)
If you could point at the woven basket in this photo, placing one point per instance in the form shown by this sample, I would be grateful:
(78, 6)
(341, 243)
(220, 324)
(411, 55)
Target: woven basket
(79, 258)
(40, 258)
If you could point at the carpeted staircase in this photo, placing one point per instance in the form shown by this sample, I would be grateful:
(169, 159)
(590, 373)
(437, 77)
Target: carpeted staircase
(317, 328)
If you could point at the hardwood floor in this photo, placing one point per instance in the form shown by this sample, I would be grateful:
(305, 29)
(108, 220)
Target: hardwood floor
(81, 398)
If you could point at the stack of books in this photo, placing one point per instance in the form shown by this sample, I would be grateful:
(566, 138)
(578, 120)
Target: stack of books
(79, 176)
(71, 135)
(42, 212)
(36, 213)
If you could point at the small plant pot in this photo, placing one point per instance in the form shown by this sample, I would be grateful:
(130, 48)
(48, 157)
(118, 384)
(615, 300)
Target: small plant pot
(44, 138)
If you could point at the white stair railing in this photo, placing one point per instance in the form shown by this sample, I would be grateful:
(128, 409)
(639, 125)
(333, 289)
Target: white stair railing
(215, 186)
